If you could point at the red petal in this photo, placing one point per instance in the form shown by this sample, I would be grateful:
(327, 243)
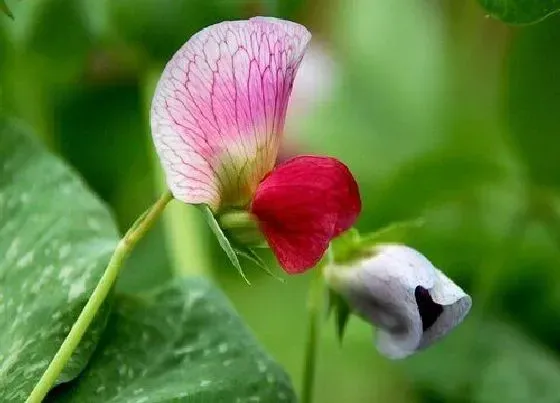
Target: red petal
(301, 205)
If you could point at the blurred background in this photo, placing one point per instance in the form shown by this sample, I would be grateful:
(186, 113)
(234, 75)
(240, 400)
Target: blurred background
(440, 111)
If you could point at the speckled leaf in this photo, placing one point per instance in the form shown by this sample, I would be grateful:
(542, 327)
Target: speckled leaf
(182, 343)
(55, 240)
(521, 11)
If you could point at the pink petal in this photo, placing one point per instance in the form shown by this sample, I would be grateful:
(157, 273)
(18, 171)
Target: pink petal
(219, 108)
(302, 205)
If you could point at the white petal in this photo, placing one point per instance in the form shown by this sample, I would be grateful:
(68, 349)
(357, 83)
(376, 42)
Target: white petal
(391, 277)
(456, 305)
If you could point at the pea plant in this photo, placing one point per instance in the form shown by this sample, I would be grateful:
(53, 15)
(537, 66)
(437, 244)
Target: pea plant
(217, 119)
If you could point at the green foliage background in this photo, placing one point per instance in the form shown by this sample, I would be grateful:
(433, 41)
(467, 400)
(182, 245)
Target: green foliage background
(440, 111)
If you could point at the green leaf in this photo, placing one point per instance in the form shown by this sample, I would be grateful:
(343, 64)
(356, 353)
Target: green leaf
(55, 239)
(341, 313)
(222, 239)
(521, 11)
(182, 343)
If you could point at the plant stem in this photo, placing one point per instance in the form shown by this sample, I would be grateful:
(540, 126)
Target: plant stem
(123, 249)
(314, 309)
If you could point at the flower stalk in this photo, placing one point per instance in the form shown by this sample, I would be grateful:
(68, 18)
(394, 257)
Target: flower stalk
(314, 310)
(72, 340)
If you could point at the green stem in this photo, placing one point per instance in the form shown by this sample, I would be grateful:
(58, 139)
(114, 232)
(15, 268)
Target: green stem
(314, 309)
(123, 249)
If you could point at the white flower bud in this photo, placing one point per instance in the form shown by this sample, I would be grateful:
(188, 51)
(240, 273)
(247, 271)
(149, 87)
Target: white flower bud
(397, 289)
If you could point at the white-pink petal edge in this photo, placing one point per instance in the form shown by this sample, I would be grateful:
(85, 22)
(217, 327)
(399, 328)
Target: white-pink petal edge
(219, 107)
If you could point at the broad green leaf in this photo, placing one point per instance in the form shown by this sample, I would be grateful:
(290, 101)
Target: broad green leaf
(222, 239)
(181, 343)
(55, 240)
(521, 11)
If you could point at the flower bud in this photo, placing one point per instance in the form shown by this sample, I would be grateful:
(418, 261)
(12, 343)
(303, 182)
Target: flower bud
(398, 290)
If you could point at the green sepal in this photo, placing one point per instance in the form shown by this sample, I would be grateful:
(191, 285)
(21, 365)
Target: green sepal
(4, 8)
(249, 254)
(222, 239)
(235, 249)
(345, 244)
(341, 310)
(346, 247)
(352, 246)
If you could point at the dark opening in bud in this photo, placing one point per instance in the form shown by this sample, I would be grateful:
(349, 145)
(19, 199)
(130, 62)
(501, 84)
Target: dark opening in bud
(428, 309)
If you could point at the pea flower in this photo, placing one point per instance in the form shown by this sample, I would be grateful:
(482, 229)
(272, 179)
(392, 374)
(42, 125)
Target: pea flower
(217, 119)
(397, 289)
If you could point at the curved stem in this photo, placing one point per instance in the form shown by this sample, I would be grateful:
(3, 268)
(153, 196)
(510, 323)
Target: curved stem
(314, 309)
(123, 249)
